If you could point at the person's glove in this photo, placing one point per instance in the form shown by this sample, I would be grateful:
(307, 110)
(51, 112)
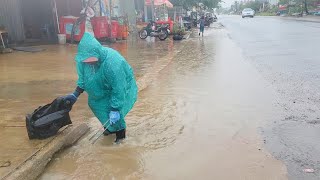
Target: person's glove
(114, 117)
(72, 98)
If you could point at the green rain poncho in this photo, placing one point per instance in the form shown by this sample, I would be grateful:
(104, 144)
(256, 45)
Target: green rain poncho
(109, 83)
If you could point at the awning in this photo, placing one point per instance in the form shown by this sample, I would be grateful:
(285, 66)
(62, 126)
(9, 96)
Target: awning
(282, 7)
(159, 3)
(168, 4)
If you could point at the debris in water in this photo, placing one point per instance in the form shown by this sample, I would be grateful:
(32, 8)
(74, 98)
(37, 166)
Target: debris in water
(6, 50)
(29, 49)
(5, 164)
(308, 170)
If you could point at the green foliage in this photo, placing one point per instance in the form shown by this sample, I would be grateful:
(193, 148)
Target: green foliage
(211, 3)
(283, 2)
(295, 4)
(295, 9)
(266, 14)
(255, 5)
(273, 9)
(178, 30)
(185, 3)
(188, 4)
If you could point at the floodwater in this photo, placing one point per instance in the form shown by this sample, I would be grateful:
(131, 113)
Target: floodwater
(198, 119)
(28, 80)
(32, 79)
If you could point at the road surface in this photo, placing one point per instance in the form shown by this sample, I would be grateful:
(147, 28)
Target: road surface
(286, 53)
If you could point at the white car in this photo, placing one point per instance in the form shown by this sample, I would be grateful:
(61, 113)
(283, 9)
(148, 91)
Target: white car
(248, 12)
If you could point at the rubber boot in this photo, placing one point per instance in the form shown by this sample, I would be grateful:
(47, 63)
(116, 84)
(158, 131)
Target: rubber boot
(106, 132)
(120, 135)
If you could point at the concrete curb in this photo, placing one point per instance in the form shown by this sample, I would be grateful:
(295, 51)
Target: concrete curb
(34, 165)
(302, 19)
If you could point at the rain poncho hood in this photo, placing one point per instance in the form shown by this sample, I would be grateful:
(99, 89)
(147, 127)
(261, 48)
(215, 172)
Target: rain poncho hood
(109, 83)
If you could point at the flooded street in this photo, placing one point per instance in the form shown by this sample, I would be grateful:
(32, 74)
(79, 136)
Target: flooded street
(240, 102)
(199, 119)
(28, 80)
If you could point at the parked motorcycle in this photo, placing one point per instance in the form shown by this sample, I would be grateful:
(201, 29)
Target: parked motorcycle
(154, 30)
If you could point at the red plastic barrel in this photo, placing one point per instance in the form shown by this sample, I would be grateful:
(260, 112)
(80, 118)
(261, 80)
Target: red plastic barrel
(171, 26)
(66, 24)
(120, 32)
(125, 32)
(100, 27)
(114, 29)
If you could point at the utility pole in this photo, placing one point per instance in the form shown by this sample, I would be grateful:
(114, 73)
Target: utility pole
(110, 8)
(306, 7)
(152, 9)
(110, 19)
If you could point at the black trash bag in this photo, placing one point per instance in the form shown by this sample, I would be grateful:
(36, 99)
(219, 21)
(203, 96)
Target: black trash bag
(177, 37)
(46, 121)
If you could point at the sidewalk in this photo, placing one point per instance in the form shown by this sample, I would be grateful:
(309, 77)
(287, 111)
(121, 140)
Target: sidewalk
(309, 18)
(29, 80)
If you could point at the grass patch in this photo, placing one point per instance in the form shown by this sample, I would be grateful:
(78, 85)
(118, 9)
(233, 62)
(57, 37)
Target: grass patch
(265, 14)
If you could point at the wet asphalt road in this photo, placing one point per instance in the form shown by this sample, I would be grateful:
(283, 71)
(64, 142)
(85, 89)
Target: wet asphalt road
(286, 53)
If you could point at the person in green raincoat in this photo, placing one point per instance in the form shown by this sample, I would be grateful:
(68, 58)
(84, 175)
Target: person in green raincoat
(109, 82)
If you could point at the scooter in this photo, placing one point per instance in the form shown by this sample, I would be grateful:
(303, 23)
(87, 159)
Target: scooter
(154, 30)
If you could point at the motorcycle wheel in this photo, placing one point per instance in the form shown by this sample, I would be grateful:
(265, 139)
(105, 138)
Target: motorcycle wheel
(163, 35)
(143, 34)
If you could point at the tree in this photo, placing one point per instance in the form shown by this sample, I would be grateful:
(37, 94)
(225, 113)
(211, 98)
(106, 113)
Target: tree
(283, 2)
(211, 3)
(255, 5)
(306, 6)
(236, 6)
(187, 4)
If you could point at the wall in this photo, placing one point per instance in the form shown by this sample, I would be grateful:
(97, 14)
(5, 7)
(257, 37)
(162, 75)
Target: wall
(11, 18)
(36, 14)
(69, 7)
